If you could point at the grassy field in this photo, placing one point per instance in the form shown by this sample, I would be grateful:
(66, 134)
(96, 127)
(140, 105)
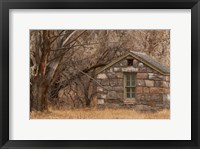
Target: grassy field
(99, 114)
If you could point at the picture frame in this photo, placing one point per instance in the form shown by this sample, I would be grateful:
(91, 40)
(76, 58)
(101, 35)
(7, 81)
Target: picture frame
(6, 5)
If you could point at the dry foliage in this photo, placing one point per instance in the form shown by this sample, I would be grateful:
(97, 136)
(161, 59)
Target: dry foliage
(92, 113)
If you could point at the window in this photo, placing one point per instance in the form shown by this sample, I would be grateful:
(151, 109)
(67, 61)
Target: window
(130, 62)
(130, 85)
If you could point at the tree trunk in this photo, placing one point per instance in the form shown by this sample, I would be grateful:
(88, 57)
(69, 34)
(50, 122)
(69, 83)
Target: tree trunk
(88, 103)
(39, 95)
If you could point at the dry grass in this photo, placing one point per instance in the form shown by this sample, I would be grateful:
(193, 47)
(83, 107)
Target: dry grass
(99, 114)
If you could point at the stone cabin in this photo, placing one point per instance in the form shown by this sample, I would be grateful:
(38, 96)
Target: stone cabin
(134, 80)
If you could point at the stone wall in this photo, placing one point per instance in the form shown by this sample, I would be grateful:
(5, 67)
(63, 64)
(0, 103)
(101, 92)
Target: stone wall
(152, 88)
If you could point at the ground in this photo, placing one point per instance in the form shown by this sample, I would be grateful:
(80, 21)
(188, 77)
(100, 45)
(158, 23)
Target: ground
(93, 113)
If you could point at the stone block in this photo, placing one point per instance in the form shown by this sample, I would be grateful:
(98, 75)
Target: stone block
(149, 83)
(140, 65)
(99, 89)
(102, 76)
(108, 88)
(100, 101)
(123, 63)
(161, 90)
(119, 75)
(149, 69)
(117, 69)
(103, 96)
(158, 84)
(167, 78)
(113, 82)
(135, 63)
(120, 82)
(112, 95)
(156, 97)
(139, 90)
(145, 90)
(120, 96)
(165, 84)
(98, 95)
(147, 97)
(105, 82)
(140, 97)
(154, 90)
(111, 75)
(167, 90)
(153, 76)
(142, 75)
(140, 83)
(118, 88)
(143, 69)
(129, 69)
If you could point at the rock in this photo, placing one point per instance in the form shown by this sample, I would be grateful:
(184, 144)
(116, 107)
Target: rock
(154, 90)
(156, 97)
(98, 95)
(130, 69)
(142, 75)
(166, 101)
(153, 76)
(135, 63)
(118, 88)
(120, 96)
(105, 82)
(146, 90)
(138, 90)
(108, 88)
(140, 65)
(158, 84)
(120, 82)
(99, 89)
(102, 76)
(140, 83)
(167, 78)
(123, 63)
(113, 82)
(149, 83)
(111, 75)
(119, 75)
(149, 69)
(103, 96)
(112, 95)
(117, 69)
(143, 69)
(100, 101)
(111, 69)
(166, 90)
(165, 84)
(161, 90)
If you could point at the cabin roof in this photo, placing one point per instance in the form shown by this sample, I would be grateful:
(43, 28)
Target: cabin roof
(142, 57)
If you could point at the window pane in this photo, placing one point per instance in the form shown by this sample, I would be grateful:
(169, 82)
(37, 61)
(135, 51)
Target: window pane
(128, 77)
(128, 95)
(127, 83)
(128, 89)
(133, 95)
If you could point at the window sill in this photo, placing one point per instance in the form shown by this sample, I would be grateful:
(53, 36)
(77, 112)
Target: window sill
(130, 101)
